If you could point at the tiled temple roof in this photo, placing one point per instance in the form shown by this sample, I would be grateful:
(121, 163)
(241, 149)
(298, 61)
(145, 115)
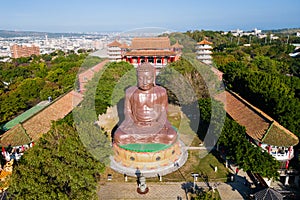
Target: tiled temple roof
(258, 124)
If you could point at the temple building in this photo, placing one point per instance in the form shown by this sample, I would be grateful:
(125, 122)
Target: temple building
(156, 50)
(114, 51)
(204, 51)
(24, 51)
(262, 130)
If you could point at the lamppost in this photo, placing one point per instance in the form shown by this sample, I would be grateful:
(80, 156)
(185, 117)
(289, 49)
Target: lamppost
(142, 187)
(195, 175)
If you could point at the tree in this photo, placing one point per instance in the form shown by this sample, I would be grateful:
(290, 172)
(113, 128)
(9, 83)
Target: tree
(105, 85)
(233, 139)
(30, 89)
(244, 154)
(57, 167)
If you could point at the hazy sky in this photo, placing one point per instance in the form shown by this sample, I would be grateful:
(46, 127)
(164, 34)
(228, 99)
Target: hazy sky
(122, 15)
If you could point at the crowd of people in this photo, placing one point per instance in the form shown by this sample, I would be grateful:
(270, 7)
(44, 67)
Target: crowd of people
(16, 152)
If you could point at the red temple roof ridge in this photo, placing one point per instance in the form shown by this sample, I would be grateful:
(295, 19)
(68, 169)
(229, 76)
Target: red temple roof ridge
(124, 46)
(151, 43)
(205, 42)
(115, 43)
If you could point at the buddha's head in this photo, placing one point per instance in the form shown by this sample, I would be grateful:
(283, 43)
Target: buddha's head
(146, 76)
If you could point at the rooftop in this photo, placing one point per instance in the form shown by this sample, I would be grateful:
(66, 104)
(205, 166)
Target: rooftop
(151, 43)
(259, 125)
(27, 114)
(40, 122)
(124, 46)
(205, 42)
(115, 43)
(150, 53)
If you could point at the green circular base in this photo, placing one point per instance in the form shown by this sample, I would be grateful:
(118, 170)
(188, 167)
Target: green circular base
(146, 147)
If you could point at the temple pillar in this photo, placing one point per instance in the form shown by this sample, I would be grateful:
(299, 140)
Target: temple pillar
(130, 60)
(139, 60)
(154, 60)
(162, 60)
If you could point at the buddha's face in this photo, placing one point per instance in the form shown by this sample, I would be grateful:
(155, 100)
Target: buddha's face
(145, 80)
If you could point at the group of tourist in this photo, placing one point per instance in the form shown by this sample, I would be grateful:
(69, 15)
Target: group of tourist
(16, 152)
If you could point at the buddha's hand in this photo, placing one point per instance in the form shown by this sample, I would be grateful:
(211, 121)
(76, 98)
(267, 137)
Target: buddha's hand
(157, 112)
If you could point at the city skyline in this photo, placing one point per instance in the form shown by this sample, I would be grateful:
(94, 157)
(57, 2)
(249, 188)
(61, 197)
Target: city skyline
(117, 15)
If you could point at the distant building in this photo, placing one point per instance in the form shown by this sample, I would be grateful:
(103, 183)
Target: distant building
(18, 51)
(204, 51)
(256, 31)
(237, 32)
(114, 51)
(156, 50)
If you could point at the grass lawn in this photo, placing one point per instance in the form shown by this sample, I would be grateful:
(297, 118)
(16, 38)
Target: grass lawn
(194, 164)
(205, 166)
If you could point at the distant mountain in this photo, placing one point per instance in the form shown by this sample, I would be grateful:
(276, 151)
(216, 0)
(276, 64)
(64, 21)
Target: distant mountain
(284, 30)
(8, 34)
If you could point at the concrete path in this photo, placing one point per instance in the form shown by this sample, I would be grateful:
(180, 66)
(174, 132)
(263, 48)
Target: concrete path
(157, 191)
(169, 190)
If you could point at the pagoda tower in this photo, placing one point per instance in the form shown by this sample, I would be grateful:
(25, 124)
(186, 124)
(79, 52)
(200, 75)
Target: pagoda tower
(204, 51)
(114, 51)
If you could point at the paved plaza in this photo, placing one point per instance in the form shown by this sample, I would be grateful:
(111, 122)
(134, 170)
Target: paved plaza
(169, 190)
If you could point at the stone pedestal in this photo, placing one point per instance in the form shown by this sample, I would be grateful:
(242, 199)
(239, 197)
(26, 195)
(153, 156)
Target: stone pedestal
(150, 160)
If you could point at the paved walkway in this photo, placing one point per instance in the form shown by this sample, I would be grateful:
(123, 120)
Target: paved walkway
(122, 191)
(235, 190)
(170, 190)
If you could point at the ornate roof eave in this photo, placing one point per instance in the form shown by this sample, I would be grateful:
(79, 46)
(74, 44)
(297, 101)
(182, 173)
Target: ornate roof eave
(115, 43)
(205, 42)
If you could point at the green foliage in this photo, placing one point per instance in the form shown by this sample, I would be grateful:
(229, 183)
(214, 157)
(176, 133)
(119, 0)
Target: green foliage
(207, 195)
(57, 167)
(50, 89)
(91, 136)
(212, 115)
(244, 154)
(276, 95)
(89, 62)
(265, 75)
(29, 89)
(191, 75)
(178, 88)
(106, 84)
(233, 139)
(35, 78)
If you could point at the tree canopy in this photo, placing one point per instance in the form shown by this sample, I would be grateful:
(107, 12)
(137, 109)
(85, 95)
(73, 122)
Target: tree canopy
(57, 167)
(236, 145)
(26, 81)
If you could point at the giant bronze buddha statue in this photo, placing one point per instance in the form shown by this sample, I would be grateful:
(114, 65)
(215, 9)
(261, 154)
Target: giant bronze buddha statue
(145, 112)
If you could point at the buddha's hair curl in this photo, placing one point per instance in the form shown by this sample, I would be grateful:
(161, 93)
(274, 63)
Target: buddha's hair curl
(145, 67)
